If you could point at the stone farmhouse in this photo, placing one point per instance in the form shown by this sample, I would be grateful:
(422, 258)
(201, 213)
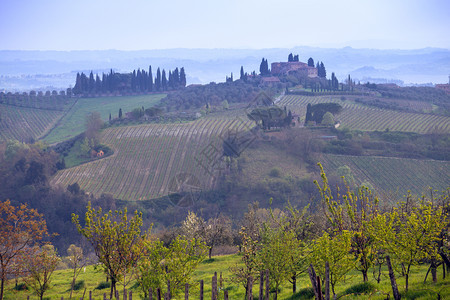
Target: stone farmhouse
(301, 68)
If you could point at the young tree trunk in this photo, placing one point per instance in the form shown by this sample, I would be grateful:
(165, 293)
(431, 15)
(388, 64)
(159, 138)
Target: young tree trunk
(319, 288)
(379, 273)
(201, 289)
(113, 287)
(327, 281)
(210, 252)
(214, 288)
(406, 281)
(365, 277)
(314, 282)
(434, 271)
(1, 289)
(250, 288)
(426, 275)
(261, 285)
(392, 277)
(443, 270)
(294, 283)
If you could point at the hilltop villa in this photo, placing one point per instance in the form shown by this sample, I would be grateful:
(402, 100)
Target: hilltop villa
(284, 68)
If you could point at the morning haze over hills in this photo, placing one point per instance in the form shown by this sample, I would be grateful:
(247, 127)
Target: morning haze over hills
(225, 161)
(25, 70)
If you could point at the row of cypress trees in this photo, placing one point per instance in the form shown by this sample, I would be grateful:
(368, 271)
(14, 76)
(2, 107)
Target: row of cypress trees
(136, 81)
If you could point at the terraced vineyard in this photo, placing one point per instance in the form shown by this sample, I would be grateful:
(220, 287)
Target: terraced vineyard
(394, 174)
(148, 157)
(357, 116)
(24, 123)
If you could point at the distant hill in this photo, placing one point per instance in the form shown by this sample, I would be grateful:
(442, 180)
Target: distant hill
(58, 68)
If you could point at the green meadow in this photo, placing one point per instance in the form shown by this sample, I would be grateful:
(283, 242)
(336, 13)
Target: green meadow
(73, 123)
(93, 279)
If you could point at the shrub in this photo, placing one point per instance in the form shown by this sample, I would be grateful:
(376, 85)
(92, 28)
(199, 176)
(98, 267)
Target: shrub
(306, 293)
(103, 285)
(275, 172)
(79, 285)
(361, 288)
(21, 287)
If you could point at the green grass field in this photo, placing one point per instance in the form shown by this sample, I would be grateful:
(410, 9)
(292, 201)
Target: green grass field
(74, 121)
(395, 175)
(220, 264)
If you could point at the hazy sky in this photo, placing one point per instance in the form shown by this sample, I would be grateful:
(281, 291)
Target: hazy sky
(154, 24)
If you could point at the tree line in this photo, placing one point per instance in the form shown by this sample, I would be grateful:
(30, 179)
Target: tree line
(52, 100)
(197, 96)
(140, 81)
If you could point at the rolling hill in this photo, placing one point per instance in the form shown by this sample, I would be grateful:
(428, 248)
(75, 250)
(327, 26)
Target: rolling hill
(26, 123)
(357, 116)
(148, 159)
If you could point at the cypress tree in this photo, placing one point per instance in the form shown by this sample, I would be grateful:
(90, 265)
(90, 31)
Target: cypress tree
(311, 62)
(98, 84)
(133, 80)
(77, 88)
(176, 78)
(242, 73)
(120, 113)
(163, 80)
(84, 83)
(91, 83)
(144, 81)
(139, 80)
(321, 70)
(290, 57)
(261, 67)
(111, 81)
(264, 67)
(158, 80)
(182, 77)
(104, 83)
(308, 114)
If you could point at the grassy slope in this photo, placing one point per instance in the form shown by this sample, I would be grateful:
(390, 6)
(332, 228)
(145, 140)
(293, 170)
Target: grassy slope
(396, 175)
(220, 264)
(362, 117)
(73, 123)
(147, 157)
(261, 160)
(24, 123)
